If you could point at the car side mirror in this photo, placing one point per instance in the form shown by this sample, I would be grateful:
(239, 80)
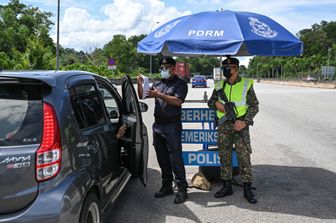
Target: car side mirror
(113, 114)
(143, 107)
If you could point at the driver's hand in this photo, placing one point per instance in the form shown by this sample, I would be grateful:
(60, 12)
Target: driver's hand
(121, 131)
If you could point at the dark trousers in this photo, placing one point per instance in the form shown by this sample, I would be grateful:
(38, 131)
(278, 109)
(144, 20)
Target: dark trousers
(168, 147)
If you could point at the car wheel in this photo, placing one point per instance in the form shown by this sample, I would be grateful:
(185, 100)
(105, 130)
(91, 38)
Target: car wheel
(91, 210)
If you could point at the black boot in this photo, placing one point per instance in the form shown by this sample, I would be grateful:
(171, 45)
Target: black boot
(248, 193)
(181, 196)
(165, 190)
(226, 189)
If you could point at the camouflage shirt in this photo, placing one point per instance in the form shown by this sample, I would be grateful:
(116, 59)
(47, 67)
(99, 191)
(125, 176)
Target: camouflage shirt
(251, 100)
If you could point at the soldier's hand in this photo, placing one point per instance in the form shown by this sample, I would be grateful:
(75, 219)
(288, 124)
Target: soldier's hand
(220, 106)
(239, 125)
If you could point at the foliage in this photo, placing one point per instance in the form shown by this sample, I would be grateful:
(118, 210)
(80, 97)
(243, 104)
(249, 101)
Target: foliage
(319, 50)
(101, 70)
(26, 44)
(24, 37)
(201, 65)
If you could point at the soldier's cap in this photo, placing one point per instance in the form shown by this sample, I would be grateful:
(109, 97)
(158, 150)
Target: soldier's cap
(231, 60)
(167, 61)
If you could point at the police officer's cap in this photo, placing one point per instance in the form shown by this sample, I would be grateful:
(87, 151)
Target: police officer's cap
(230, 60)
(167, 61)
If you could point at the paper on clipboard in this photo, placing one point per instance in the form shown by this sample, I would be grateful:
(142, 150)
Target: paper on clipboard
(146, 86)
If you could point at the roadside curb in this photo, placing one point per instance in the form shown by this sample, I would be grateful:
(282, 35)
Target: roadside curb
(302, 84)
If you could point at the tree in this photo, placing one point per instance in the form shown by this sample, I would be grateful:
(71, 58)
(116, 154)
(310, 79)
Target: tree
(24, 37)
(123, 52)
(319, 47)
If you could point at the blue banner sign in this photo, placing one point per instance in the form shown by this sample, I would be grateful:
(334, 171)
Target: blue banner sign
(205, 158)
(200, 136)
(197, 115)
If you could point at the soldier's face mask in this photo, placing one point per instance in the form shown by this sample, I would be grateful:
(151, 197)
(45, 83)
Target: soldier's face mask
(227, 70)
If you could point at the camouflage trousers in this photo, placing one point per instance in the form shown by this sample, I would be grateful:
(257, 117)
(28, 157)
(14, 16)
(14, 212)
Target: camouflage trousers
(227, 137)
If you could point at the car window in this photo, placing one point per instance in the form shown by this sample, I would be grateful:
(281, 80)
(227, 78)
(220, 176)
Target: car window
(130, 102)
(87, 106)
(110, 103)
(199, 77)
(21, 114)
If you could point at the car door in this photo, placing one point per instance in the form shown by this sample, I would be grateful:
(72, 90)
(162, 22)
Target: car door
(96, 132)
(135, 140)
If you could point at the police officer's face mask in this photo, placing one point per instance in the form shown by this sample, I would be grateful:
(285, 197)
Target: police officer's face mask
(165, 73)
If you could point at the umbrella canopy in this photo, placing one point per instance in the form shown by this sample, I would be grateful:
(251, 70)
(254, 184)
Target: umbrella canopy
(221, 33)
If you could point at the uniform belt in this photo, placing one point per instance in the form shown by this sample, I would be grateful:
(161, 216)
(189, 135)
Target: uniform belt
(166, 120)
(225, 119)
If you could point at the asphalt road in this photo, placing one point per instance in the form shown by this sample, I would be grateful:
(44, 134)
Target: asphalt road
(294, 166)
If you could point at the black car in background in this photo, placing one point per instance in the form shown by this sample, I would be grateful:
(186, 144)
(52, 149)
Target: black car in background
(60, 160)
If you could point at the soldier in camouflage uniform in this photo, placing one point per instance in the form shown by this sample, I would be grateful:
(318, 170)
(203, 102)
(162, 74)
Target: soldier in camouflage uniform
(240, 91)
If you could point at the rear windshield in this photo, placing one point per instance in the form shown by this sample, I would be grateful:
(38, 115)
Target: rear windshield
(20, 114)
(199, 78)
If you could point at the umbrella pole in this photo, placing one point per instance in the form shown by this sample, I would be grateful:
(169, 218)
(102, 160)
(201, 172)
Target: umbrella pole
(220, 64)
(150, 64)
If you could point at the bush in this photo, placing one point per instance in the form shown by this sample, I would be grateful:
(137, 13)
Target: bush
(101, 70)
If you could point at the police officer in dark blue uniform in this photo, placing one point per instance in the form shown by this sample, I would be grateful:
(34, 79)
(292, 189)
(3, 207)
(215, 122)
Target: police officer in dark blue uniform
(169, 94)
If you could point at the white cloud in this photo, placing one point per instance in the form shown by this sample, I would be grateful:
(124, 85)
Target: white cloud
(79, 29)
(87, 24)
(293, 15)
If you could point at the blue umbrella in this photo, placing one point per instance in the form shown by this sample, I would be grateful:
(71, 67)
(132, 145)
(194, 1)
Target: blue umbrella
(221, 33)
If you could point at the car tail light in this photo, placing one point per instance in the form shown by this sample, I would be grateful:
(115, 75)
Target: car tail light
(48, 155)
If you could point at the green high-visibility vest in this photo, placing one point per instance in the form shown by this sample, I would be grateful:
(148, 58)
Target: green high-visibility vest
(235, 93)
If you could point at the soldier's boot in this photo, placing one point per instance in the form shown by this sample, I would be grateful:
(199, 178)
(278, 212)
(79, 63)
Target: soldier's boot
(248, 193)
(181, 196)
(165, 190)
(226, 190)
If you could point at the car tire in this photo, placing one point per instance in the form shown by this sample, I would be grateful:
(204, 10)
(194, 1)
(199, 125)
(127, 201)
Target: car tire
(91, 210)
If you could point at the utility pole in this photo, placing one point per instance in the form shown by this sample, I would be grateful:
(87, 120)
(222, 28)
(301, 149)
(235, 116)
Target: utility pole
(57, 44)
(328, 57)
(328, 70)
(220, 64)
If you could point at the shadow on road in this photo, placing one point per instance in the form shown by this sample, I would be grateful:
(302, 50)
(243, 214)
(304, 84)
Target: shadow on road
(302, 191)
(138, 204)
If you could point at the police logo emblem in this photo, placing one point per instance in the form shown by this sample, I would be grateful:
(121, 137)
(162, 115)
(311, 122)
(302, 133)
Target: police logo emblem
(166, 29)
(262, 29)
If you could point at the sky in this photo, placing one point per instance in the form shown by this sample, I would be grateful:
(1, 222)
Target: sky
(89, 24)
